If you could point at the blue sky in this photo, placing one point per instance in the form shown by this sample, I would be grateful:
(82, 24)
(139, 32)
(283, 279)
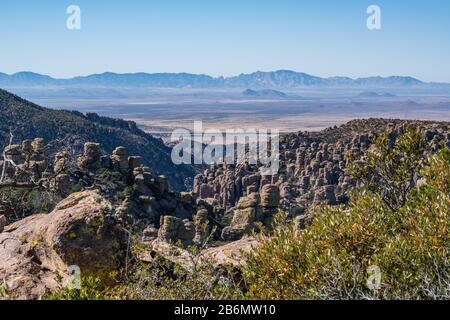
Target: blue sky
(227, 37)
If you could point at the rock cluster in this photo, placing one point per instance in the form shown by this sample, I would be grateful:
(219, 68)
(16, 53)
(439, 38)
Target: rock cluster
(174, 229)
(193, 230)
(148, 197)
(25, 161)
(312, 165)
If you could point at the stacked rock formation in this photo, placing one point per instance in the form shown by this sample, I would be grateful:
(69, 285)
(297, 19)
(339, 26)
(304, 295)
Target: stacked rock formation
(120, 160)
(175, 230)
(25, 161)
(150, 197)
(252, 209)
(146, 196)
(91, 156)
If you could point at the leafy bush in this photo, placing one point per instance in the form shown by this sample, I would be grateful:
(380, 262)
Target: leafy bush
(391, 171)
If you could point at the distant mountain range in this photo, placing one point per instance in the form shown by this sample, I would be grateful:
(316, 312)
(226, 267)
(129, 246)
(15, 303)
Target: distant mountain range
(260, 80)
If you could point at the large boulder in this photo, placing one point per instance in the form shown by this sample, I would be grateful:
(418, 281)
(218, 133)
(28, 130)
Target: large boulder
(232, 254)
(79, 232)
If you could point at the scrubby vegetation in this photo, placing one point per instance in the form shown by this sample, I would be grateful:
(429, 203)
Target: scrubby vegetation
(160, 280)
(16, 203)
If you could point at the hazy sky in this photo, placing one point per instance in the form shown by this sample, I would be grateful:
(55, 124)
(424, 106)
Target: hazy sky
(227, 37)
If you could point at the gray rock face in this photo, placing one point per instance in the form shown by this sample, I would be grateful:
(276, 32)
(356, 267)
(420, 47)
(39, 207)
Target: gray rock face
(174, 229)
(242, 224)
(251, 209)
(62, 163)
(63, 184)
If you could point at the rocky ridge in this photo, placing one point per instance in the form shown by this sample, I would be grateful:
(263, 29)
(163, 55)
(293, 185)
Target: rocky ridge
(71, 129)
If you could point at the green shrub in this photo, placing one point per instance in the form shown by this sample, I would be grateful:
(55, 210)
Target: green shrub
(165, 281)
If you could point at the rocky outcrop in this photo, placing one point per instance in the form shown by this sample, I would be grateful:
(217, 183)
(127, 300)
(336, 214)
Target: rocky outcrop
(270, 196)
(91, 158)
(244, 218)
(119, 159)
(175, 230)
(228, 203)
(146, 196)
(25, 161)
(225, 256)
(79, 232)
(232, 254)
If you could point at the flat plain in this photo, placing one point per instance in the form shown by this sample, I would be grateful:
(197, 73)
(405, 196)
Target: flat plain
(161, 111)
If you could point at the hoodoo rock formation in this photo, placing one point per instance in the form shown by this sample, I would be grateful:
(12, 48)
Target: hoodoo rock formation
(312, 165)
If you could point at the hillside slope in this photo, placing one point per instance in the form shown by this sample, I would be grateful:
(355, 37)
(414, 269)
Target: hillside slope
(28, 120)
